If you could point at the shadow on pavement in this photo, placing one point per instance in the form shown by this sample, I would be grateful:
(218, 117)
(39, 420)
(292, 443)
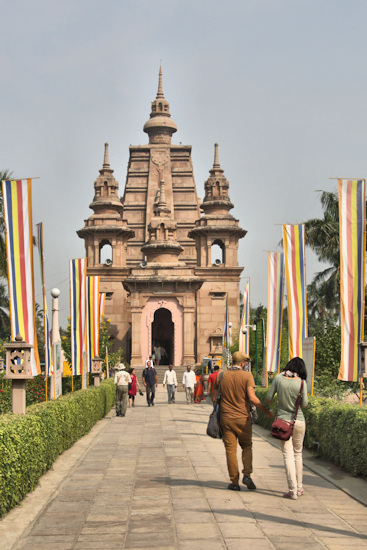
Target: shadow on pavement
(289, 521)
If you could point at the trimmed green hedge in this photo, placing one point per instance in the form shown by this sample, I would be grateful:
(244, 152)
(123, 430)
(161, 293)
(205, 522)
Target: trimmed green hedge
(30, 444)
(339, 428)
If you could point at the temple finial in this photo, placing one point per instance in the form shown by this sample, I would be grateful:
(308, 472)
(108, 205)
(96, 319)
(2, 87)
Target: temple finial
(160, 86)
(216, 156)
(106, 162)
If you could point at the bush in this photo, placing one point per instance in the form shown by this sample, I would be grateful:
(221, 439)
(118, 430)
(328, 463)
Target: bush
(30, 444)
(339, 428)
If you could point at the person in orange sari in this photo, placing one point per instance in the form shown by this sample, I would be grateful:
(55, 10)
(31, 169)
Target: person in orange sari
(199, 387)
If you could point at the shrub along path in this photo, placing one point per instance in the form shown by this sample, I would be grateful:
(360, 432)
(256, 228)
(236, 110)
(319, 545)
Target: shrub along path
(154, 480)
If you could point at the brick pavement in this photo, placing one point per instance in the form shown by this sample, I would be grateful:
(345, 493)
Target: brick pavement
(154, 480)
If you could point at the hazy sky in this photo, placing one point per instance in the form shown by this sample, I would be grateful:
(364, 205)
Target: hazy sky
(279, 84)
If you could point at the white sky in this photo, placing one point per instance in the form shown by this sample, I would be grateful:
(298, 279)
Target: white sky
(279, 84)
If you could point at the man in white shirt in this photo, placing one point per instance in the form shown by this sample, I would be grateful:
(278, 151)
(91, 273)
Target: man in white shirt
(171, 380)
(188, 382)
(122, 381)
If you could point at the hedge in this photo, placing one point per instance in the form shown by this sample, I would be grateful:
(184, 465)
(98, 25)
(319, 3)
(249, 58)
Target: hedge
(30, 444)
(339, 428)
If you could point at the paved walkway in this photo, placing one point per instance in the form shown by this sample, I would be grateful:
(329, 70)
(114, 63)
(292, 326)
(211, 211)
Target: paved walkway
(154, 480)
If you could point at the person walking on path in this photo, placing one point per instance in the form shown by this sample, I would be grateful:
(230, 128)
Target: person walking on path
(188, 383)
(287, 385)
(133, 387)
(199, 387)
(150, 382)
(122, 381)
(158, 354)
(170, 379)
(236, 395)
(211, 381)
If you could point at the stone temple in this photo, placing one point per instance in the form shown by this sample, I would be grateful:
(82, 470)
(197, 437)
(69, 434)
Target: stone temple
(166, 259)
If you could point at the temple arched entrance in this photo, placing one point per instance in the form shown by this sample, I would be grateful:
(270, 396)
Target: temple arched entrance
(163, 334)
(162, 322)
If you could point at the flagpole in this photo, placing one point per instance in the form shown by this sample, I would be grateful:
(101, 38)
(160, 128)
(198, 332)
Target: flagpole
(107, 369)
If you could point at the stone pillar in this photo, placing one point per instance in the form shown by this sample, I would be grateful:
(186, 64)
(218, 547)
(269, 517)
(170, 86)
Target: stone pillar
(189, 329)
(136, 309)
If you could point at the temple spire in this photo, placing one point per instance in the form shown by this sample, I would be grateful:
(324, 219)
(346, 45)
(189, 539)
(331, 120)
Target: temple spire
(160, 93)
(160, 126)
(106, 161)
(106, 168)
(216, 156)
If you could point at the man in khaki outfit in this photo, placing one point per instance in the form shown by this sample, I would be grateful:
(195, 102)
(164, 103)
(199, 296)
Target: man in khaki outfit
(122, 381)
(236, 395)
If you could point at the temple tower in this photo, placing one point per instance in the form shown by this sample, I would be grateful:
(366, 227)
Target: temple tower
(106, 234)
(173, 261)
(216, 235)
(148, 166)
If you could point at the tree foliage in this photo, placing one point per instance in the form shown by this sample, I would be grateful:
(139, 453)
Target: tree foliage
(4, 175)
(322, 236)
(105, 344)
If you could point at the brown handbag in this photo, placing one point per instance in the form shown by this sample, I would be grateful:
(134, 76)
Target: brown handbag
(283, 429)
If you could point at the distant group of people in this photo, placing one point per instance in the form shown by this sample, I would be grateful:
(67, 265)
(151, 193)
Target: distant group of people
(127, 385)
(236, 388)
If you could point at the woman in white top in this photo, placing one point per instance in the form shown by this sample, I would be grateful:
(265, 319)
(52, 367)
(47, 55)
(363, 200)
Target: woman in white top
(287, 385)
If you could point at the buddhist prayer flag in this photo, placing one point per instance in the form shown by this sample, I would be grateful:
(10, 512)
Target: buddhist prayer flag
(78, 270)
(244, 340)
(295, 268)
(17, 200)
(102, 303)
(226, 328)
(352, 219)
(93, 318)
(275, 310)
(46, 324)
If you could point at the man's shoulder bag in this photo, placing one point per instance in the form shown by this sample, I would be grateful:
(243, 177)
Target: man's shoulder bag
(213, 429)
(283, 429)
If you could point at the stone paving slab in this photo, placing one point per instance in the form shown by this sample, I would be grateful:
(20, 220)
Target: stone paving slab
(154, 480)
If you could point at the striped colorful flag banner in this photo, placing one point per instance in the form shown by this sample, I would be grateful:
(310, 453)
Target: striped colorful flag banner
(244, 339)
(295, 268)
(352, 220)
(226, 339)
(102, 303)
(93, 319)
(275, 310)
(78, 271)
(17, 201)
(226, 328)
(49, 367)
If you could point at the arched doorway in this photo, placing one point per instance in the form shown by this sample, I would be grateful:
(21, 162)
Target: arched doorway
(169, 327)
(163, 335)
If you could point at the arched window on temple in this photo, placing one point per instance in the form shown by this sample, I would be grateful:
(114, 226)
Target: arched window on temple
(105, 252)
(218, 252)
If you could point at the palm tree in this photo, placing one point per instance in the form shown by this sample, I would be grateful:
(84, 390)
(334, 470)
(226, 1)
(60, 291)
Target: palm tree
(322, 236)
(4, 175)
(4, 313)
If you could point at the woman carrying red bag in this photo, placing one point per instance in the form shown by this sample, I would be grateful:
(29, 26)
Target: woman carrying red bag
(287, 386)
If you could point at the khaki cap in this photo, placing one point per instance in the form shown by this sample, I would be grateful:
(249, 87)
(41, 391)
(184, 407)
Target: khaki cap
(239, 356)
